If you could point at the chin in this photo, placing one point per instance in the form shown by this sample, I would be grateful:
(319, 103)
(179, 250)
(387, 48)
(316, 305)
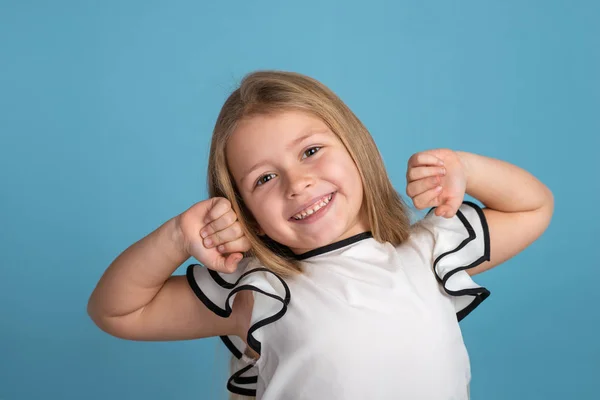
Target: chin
(316, 241)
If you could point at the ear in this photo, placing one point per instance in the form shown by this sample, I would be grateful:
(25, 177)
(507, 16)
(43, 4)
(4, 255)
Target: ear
(260, 232)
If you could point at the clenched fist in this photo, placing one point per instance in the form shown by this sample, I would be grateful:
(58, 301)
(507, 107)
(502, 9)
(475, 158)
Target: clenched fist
(436, 178)
(213, 235)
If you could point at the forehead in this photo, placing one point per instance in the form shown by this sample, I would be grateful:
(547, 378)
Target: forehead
(278, 128)
(262, 137)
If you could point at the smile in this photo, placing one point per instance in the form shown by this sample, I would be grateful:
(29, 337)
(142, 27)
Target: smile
(314, 208)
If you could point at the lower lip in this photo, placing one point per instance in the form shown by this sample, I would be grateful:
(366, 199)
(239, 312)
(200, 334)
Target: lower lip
(316, 215)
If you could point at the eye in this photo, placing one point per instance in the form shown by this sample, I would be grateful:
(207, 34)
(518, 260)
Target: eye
(311, 151)
(264, 179)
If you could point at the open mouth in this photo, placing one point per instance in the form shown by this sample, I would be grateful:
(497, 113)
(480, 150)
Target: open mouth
(314, 210)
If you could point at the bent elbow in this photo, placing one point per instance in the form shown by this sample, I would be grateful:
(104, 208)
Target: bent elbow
(114, 326)
(547, 208)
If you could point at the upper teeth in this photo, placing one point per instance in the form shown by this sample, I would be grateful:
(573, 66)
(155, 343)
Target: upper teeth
(313, 208)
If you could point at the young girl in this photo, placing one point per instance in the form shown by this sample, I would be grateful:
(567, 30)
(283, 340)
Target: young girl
(311, 272)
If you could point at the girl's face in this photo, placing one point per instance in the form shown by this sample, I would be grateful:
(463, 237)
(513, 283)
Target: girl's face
(297, 179)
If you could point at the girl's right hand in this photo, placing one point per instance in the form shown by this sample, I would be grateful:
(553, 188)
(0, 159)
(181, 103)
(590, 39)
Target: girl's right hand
(212, 234)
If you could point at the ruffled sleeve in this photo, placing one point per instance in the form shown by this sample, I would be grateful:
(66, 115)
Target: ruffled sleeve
(217, 291)
(460, 243)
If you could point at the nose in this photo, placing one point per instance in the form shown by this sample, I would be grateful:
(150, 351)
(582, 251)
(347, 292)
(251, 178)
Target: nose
(297, 182)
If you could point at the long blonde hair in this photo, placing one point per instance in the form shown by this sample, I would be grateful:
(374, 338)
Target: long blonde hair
(270, 92)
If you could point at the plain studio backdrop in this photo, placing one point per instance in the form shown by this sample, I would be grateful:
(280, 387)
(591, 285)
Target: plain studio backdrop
(106, 112)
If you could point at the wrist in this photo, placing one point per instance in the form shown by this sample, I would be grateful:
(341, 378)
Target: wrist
(177, 249)
(465, 159)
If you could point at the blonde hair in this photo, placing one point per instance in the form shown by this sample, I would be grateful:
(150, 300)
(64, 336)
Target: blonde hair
(271, 92)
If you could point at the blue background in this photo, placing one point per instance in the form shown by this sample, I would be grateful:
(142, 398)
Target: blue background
(106, 111)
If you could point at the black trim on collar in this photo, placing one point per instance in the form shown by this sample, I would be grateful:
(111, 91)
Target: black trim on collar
(334, 246)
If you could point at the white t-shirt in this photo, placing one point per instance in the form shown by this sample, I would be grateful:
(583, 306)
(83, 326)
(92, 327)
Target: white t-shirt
(366, 320)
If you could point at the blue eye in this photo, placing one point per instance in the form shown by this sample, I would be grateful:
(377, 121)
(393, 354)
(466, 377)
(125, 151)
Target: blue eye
(264, 179)
(311, 151)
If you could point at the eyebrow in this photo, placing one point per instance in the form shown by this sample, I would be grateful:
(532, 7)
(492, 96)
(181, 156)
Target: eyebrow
(292, 144)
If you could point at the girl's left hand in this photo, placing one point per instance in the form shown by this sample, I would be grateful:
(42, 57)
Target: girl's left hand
(436, 178)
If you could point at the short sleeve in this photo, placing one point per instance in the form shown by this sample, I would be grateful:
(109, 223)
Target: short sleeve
(460, 243)
(217, 292)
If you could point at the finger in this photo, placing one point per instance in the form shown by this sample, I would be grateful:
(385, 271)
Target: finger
(228, 263)
(417, 173)
(219, 224)
(240, 245)
(441, 211)
(427, 199)
(228, 234)
(231, 262)
(448, 208)
(217, 208)
(421, 159)
(422, 185)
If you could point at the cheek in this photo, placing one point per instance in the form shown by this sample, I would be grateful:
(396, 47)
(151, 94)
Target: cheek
(262, 209)
(345, 174)
(256, 210)
(356, 187)
(353, 184)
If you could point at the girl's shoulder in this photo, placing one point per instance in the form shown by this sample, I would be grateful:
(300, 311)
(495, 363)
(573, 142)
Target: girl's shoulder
(255, 295)
(218, 290)
(451, 247)
(467, 228)
(218, 287)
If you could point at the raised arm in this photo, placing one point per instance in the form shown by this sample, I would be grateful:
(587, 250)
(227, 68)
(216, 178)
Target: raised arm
(138, 299)
(518, 207)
